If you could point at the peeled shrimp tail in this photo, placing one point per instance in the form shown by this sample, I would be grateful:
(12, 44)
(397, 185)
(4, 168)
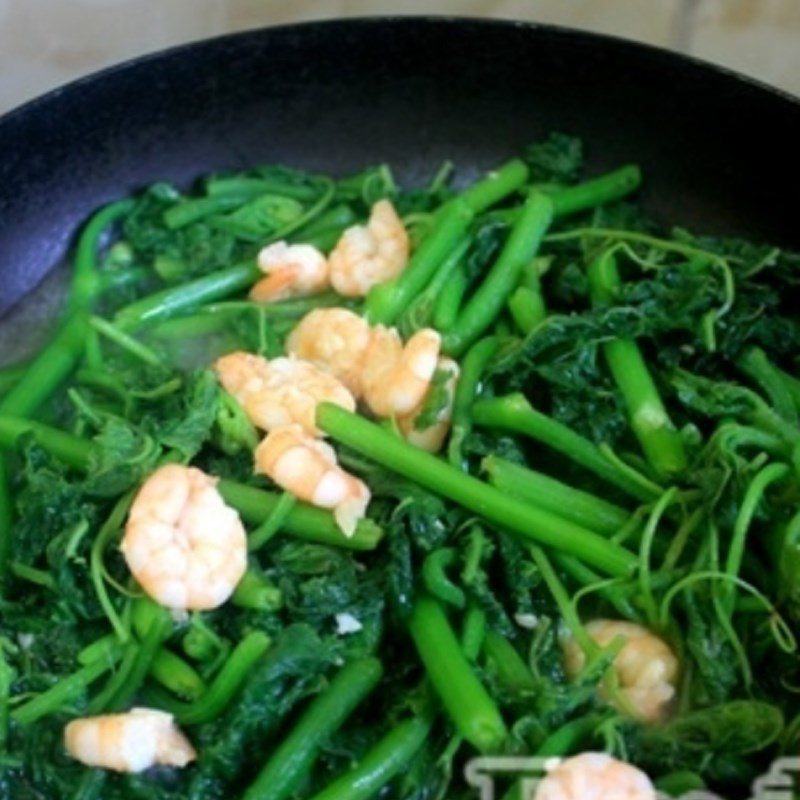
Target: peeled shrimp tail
(129, 742)
(308, 469)
(396, 378)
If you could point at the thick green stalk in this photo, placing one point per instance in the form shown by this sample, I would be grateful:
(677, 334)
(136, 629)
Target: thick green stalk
(587, 195)
(792, 385)
(469, 705)
(337, 217)
(387, 301)
(384, 762)
(66, 447)
(497, 185)
(11, 375)
(420, 312)
(491, 296)
(473, 366)
(247, 188)
(528, 522)
(273, 523)
(173, 673)
(324, 240)
(84, 272)
(541, 490)
(772, 381)
(225, 685)
(39, 577)
(297, 753)
(598, 191)
(255, 505)
(448, 303)
(514, 413)
(562, 742)
(473, 632)
(151, 644)
(526, 305)
(660, 441)
(257, 592)
(43, 375)
(57, 697)
(189, 211)
(436, 580)
(508, 665)
(48, 369)
(173, 301)
(303, 521)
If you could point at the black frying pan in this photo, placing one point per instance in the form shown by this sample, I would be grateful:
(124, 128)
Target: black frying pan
(720, 153)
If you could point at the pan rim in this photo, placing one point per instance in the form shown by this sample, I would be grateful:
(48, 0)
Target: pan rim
(577, 35)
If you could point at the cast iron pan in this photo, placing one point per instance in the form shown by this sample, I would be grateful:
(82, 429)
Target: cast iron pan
(719, 152)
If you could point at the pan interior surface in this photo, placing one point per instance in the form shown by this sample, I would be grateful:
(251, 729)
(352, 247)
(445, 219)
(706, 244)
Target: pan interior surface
(718, 151)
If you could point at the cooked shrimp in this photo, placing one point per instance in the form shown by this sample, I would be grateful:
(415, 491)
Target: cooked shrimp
(292, 270)
(395, 378)
(370, 254)
(432, 437)
(130, 742)
(282, 391)
(308, 469)
(183, 544)
(594, 776)
(334, 339)
(646, 666)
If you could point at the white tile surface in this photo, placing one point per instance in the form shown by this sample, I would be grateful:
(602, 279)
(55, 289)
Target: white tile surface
(756, 37)
(44, 43)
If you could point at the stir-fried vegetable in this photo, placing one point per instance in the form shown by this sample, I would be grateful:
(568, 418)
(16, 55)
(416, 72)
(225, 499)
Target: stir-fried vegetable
(578, 456)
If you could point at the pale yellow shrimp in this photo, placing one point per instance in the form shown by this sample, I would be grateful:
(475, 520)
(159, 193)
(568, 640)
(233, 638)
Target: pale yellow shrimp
(282, 391)
(334, 339)
(432, 438)
(594, 776)
(183, 544)
(308, 468)
(396, 377)
(130, 742)
(369, 254)
(646, 666)
(292, 270)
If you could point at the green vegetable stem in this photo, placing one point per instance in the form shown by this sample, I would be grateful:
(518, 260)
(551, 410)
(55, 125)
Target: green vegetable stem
(387, 301)
(257, 592)
(448, 302)
(661, 443)
(384, 762)
(473, 366)
(541, 490)
(526, 521)
(465, 699)
(514, 413)
(297, 752)
(491, 296)
(59, 696)
(84, 272)
(175, 300)
(225, 685)
(526, 304)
